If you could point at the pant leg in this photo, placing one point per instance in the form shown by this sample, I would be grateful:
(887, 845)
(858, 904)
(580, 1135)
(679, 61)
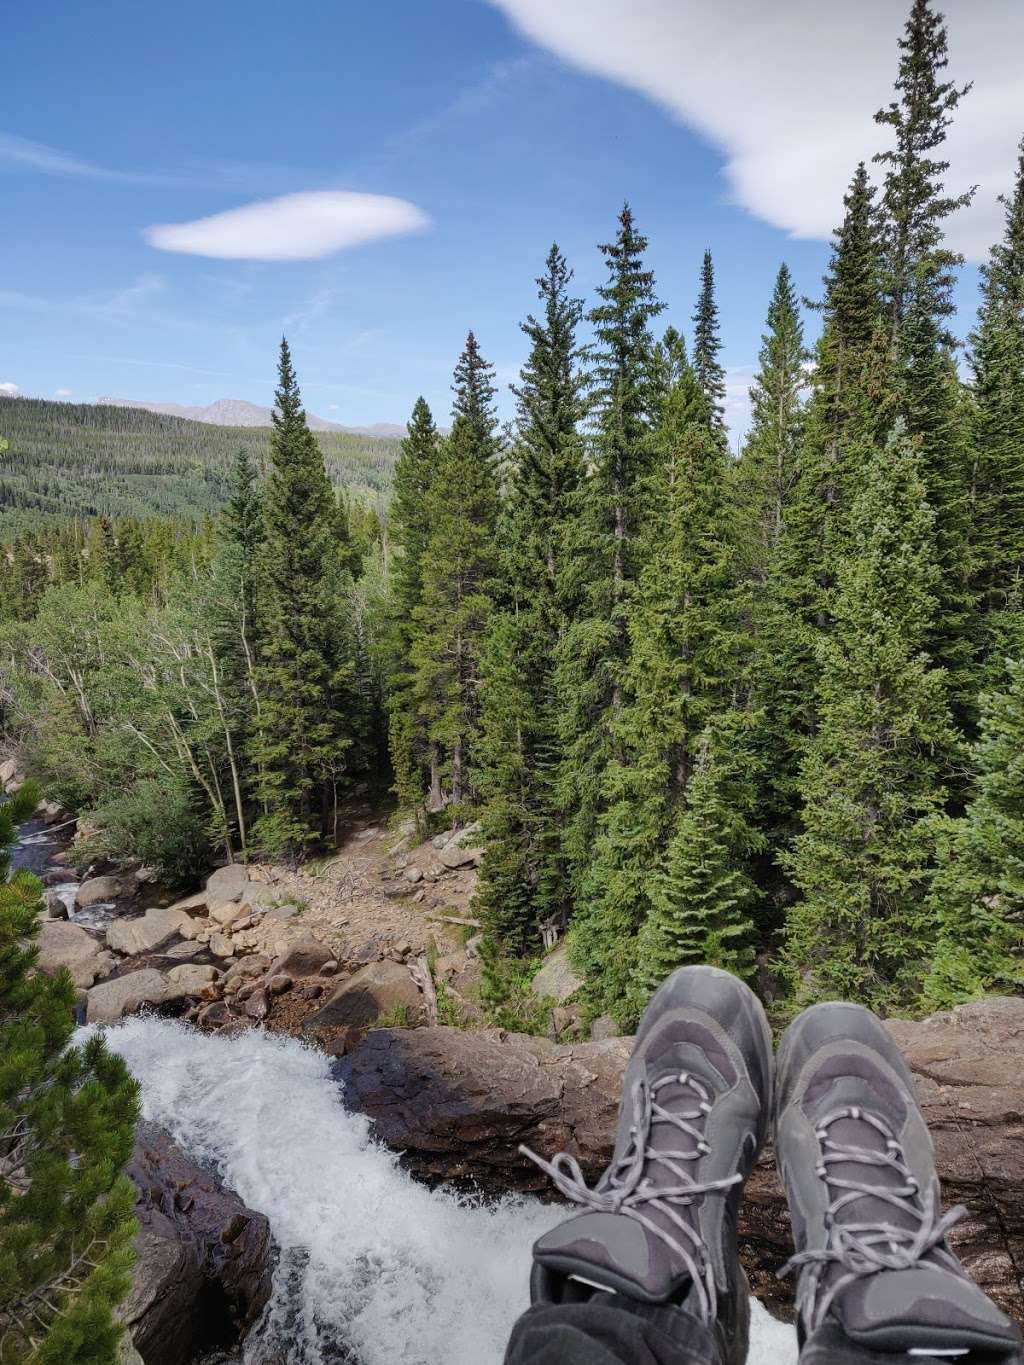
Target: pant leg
(610, 1331)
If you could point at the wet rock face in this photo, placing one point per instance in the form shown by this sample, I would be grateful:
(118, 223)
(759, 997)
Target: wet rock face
(459, 1104)
(204, 1259)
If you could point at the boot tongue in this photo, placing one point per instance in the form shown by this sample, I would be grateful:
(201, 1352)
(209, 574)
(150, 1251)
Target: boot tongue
(926, 1307)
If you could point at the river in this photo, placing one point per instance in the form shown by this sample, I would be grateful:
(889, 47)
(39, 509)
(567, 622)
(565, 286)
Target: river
(372, 1267)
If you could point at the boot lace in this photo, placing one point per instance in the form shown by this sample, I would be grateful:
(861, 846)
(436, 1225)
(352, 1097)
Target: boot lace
(866, 1248)
(628, 1187)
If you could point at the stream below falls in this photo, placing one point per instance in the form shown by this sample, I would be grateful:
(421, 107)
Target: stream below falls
(374, 1268)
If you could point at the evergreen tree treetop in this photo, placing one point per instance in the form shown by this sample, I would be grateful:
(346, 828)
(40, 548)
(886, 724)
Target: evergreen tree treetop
(1003, 274)
(915, 203)
(707, 344)
(475, 391)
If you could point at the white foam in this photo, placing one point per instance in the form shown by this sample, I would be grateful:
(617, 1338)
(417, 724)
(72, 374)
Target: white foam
(374, 1267)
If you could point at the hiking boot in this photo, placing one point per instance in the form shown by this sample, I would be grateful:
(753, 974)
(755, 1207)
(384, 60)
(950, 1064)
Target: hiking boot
(659, 1228)
(877, 1279)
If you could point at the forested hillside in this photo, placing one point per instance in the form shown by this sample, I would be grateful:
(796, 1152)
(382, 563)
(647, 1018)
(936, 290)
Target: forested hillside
(764, 711)
(89, 460)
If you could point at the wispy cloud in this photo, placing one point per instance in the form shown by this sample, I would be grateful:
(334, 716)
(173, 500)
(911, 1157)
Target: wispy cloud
(36, 156)
(62, 393)
(308, 312)
(9, 389)
(294, 227)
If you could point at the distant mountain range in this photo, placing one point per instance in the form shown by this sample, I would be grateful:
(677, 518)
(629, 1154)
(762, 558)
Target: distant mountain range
(236, 412)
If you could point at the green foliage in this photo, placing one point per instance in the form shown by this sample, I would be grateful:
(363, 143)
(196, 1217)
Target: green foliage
(84, 460)
(978, 891)
(68, 1117)
(523, 879)
(398, 1016)
(872, 778)
(707, 345)
(154, 823)
(701, 903)
(308, 715)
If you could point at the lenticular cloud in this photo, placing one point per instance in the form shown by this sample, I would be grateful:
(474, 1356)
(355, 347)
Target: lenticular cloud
(294, 227)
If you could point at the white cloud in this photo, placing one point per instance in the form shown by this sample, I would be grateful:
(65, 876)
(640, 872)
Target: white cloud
(62, 393)
(788, 91)
(9, 389)
(295, 227)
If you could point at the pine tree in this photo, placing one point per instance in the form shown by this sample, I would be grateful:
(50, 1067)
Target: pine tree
(766, 473)
(851, 399)
(871, 781)
(67, 1116)
(473, 386)
(682, 663)
(409, 529)
(702, 901)
(625, 400)
(978, 892)
(458, 582)
(523, 877)
(307, 715)
(915, 206)
(997, 364)
(707, 345)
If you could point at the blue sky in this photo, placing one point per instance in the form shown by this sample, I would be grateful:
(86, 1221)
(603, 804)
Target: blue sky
(484, 129)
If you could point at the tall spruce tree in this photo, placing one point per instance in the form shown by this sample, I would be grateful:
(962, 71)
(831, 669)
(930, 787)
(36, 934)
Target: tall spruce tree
(872, 778)
(766, 472)
(851, 398)
(459, 571)
(523, 878)
(914, 203)
(409, 529)
(997, 365)
(592, 655)
(308, 713)
(473, 386)
(682, 663)
(918, 277)
(67, 1120)
(707, 345)
(702, 900)
(978, 891)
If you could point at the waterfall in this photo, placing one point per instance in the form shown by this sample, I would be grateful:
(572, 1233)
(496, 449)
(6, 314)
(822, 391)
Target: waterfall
(373, 1267)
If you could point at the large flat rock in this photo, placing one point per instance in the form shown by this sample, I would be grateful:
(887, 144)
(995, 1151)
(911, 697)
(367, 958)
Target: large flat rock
(458, 1104)
(147, 933)
(69, 945)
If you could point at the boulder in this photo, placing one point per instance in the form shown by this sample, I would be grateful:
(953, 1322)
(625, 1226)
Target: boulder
(204, 1260)
(413, 874)
(604, 1026)
(189, 979)
(56, 908)
(221, 946)
(122, 995)
(458, 1104)
(8, 773)
(147, 933)
(226, 884)
(303, 958)
(229, 912)
(361, 999)
(458, 854)
(191, 905)
(97, 889)
(69, 945)
(556, 980)
(282, 912)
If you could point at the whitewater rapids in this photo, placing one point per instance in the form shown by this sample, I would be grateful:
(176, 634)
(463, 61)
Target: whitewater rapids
(373, 1267)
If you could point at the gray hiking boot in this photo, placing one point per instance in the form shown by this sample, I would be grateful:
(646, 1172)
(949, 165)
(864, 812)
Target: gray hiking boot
(659, 1230)
(877, 1280)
